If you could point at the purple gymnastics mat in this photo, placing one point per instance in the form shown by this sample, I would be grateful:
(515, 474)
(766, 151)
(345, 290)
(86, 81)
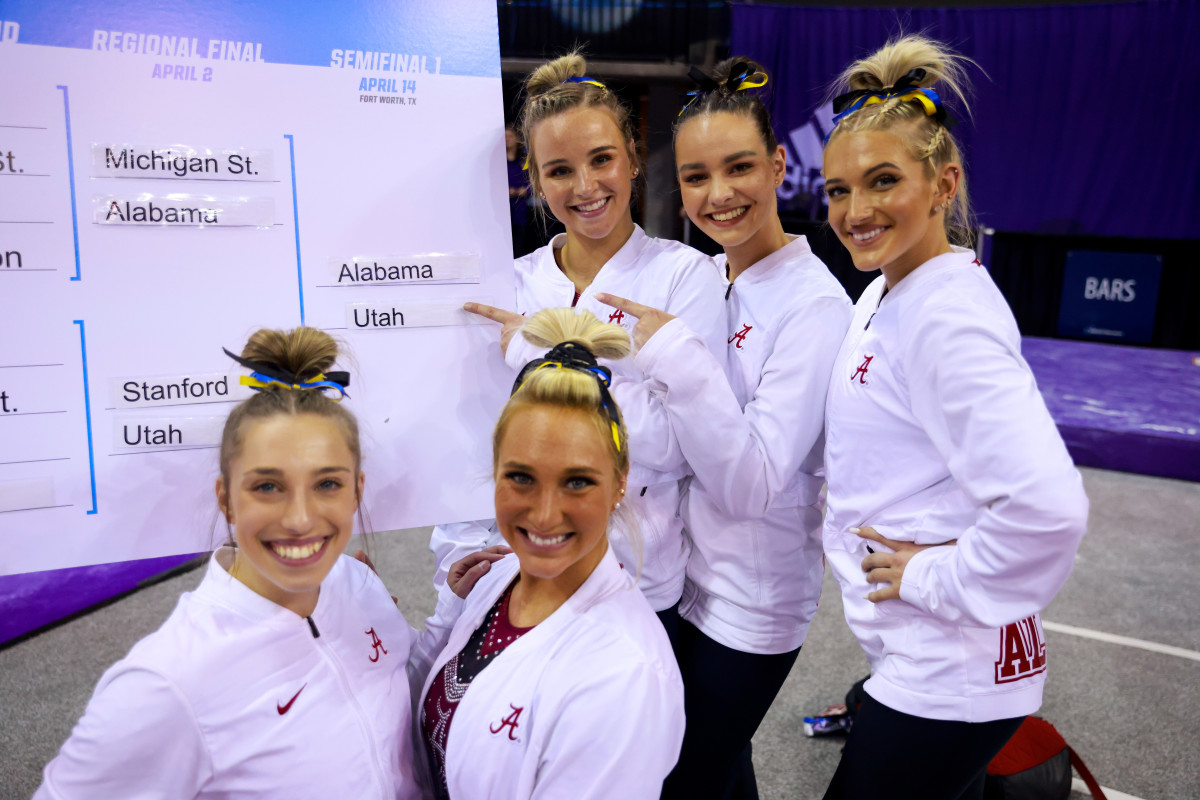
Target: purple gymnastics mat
(34, 600)
(1129, 409)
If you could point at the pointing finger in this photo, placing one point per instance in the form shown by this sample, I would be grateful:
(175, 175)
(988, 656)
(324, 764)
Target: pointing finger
(491, 312)
(628, 306)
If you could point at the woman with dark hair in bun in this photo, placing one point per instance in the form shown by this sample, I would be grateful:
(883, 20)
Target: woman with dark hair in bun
(954, 509)
(286, 673)
(751, 433)
(557, 680)
(583, 163)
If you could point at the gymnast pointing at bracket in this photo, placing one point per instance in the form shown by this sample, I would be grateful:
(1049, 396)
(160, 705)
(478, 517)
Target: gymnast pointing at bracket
(583, 161)
(751, 433)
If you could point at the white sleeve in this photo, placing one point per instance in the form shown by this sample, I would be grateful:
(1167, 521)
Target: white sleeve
(696, 299)
(455, 541)
(616, 734)
(745, 457)
(520, 352)
(137, 740)
(980, 406)
(430, 643)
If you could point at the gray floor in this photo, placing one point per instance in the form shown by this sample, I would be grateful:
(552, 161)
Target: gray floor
(1133, 715)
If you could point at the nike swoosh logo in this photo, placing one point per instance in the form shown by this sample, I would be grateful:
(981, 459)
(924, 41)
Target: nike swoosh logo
(284, 708)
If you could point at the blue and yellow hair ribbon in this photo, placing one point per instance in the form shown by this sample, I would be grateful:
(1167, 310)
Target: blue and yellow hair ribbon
(744, 80)
(752, 81)
(927, 98)
(258, 381)
(905, 89)
(587, 80)
(605, 379)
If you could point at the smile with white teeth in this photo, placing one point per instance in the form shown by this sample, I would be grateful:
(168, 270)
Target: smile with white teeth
(296, 552)
(593, 206)
(546, 541)
(868, 236)
(725, 216)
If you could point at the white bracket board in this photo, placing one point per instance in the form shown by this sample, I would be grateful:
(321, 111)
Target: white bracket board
(172, 180)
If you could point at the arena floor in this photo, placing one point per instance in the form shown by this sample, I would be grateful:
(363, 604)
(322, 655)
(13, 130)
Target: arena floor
(1123, 636)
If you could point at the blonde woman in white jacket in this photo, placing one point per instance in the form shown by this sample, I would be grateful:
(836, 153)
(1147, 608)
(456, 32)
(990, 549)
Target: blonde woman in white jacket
(558, 680)
(751, 433)
(954, 509)
(583, 162)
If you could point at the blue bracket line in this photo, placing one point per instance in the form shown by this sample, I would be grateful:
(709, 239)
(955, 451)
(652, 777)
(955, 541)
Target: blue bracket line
(74, 213)
(87, 405)
(296, 221)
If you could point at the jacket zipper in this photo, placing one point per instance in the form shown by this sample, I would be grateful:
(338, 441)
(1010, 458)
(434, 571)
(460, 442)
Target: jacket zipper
(364, 725)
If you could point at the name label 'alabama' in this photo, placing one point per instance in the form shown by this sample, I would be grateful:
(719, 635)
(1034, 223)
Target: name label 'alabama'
(430, 268)
(184, 210)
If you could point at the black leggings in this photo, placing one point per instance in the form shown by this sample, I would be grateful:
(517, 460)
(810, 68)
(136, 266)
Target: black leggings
(726, 694)
(898, 756)
(669, 617)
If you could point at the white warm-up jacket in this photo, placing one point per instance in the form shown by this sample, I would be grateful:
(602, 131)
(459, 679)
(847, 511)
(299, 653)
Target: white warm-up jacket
(587, 705)
(661, 274)
(237, 697)
(936, 432)
(753, 436)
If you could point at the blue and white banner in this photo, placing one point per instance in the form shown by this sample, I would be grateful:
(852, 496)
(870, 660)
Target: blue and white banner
(446, 37)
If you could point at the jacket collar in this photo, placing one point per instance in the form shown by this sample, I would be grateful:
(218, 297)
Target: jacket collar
(223, 589)
(763, 269)
(624, 259)
(606, 579)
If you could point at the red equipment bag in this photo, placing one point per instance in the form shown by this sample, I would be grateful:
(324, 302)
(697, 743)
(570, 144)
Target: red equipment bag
(1036, 765)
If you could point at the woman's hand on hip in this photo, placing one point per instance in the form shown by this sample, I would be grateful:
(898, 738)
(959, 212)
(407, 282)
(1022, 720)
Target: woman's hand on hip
(889, 567)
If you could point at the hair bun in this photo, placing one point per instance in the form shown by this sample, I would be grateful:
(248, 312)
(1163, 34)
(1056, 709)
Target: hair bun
(900, 56)
(730, 72)
(304, 352)
(553, 73)
(551, 327)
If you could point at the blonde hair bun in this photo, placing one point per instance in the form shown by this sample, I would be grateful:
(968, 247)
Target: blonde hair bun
(901, 55)
(554, 73)
(553, 326)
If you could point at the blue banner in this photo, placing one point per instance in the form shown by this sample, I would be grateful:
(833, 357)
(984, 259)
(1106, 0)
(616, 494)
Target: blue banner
(364, 35)
(1109, 296)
